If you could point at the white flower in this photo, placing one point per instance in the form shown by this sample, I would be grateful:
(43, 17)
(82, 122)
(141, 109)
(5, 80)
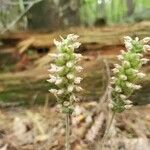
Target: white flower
(58, 81)
(77, 110)
(115, 70)
(60, 92)
(146, 48)
(140, 55)
(123, 96)
(88, 119)
(70, 64)
(128, 106)
(113, 80)
(123, 52)
(75, 45)
(72, 97)
(120, 57)
(57, 43)
(70, 88)
(53, 68)
(78, 68)
(117, 66)
(137, 39)
(66, 103)
(135, 71)
(78, 88)
(70, 76)
(128, 102)
(72, 37)
(60, 69)
(127, 38)
(78, 57)
(77, 80)
(128, 45)
(140, 75)
(53, 91)
(146, 40)
(52, 79)
(137, 87)
(144, 60)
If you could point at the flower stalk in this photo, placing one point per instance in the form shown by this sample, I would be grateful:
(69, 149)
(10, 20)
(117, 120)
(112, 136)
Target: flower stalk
(64, 77)
(126, 76)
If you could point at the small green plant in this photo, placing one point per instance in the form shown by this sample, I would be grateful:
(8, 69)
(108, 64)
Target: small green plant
(126, 75)
(63, 74)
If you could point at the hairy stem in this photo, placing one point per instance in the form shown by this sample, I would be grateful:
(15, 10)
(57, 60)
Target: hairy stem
(68, 131)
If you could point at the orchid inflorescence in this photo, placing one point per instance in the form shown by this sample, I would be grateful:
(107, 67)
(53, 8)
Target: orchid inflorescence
(63, 73)
(127, 73)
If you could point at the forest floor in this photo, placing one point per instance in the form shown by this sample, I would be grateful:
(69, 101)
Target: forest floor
(30, 120)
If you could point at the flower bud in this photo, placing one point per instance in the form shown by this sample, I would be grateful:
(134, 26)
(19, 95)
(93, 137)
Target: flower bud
(70, 64)
(126, 64)
(70, 76)
(123, 77)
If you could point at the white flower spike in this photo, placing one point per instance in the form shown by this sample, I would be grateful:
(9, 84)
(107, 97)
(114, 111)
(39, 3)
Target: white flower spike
(127, 74)
(63, 73)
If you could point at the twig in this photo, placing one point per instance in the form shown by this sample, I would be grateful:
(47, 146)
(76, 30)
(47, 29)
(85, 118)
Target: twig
(19, 17)
(107, 91)
(22, 9)
(107, 95)
(107, 130)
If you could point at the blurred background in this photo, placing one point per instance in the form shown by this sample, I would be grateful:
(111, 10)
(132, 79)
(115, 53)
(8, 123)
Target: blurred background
(27, 30)
(51, 15)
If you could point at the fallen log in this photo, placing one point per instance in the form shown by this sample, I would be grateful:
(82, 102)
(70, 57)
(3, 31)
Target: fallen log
(97, 37)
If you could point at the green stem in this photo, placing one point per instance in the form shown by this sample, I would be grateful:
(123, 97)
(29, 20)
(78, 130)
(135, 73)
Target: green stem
(68, 131)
